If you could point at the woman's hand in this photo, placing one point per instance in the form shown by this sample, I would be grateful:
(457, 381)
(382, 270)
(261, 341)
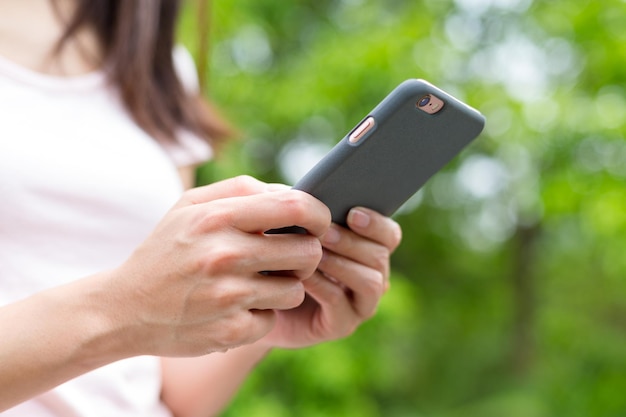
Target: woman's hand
(345, 290)
(351, 278)
(194, 285)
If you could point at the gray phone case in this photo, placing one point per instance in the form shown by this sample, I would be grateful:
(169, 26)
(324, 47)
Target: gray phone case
(403, 149)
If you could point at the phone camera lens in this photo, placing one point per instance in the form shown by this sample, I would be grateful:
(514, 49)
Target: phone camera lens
(430, 104)
(423, 101)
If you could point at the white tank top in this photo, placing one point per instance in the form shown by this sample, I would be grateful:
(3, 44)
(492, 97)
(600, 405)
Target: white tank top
(81, 185)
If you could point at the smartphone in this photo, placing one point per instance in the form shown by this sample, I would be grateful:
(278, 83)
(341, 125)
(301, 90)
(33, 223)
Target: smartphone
(391, 153)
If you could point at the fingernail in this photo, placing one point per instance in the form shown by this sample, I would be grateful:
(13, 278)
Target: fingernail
(331, 236)
(358, 218)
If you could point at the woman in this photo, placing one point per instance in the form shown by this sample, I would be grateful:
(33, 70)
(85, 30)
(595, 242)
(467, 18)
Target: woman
(121, 293)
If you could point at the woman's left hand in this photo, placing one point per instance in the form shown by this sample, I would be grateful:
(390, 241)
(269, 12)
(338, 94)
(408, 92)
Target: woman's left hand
(345, 290)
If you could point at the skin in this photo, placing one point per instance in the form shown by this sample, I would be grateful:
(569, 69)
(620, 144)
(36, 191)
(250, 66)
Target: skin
(343, 292)
(191, 292)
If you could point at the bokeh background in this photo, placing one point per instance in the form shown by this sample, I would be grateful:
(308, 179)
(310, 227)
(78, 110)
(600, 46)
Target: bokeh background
(508, 293)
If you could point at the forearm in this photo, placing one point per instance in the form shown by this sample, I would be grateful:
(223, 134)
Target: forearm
(52, 337)
(200, 387)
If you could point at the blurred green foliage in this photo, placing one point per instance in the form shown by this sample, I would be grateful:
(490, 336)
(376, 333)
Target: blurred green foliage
(508, 294)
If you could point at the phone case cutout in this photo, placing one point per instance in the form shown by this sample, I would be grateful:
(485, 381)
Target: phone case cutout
(430, 104)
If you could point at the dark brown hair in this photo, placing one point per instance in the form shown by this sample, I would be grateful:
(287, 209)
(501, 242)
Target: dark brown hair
(137, 38)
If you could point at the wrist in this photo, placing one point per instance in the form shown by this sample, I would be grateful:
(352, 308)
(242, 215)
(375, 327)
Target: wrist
(98, 336)
(54, 336)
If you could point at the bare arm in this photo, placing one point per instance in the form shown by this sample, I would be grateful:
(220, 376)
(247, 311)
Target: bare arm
(59, 334)
(190, 288)
(54, 336)
(202, 387)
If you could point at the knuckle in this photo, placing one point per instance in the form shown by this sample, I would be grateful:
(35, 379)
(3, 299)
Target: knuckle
(243, 184)
(313, 249)
(250, 327)
(220, 259)
(211, 221)
(224, 296)
(335, 295)
(245, 327)
(307, 249)
(374, 285)
(294, 204)
(380, 259)
(296, 295)
(310, 252)
(237, 332)
(205, 219)
(301, 206)
(302, 209)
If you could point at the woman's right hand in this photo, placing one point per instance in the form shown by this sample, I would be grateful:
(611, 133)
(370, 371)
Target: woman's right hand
(194, 285)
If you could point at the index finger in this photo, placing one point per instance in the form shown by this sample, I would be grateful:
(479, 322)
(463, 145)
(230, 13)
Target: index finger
(242, 185)
(261, 212)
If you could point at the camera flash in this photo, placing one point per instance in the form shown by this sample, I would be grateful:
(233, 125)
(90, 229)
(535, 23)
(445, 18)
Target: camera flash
(430, 104)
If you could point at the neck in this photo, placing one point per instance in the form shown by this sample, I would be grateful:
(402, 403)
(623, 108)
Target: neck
(35, 49)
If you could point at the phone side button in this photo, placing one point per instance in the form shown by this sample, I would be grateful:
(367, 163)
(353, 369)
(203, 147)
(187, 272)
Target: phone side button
(361, 130)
